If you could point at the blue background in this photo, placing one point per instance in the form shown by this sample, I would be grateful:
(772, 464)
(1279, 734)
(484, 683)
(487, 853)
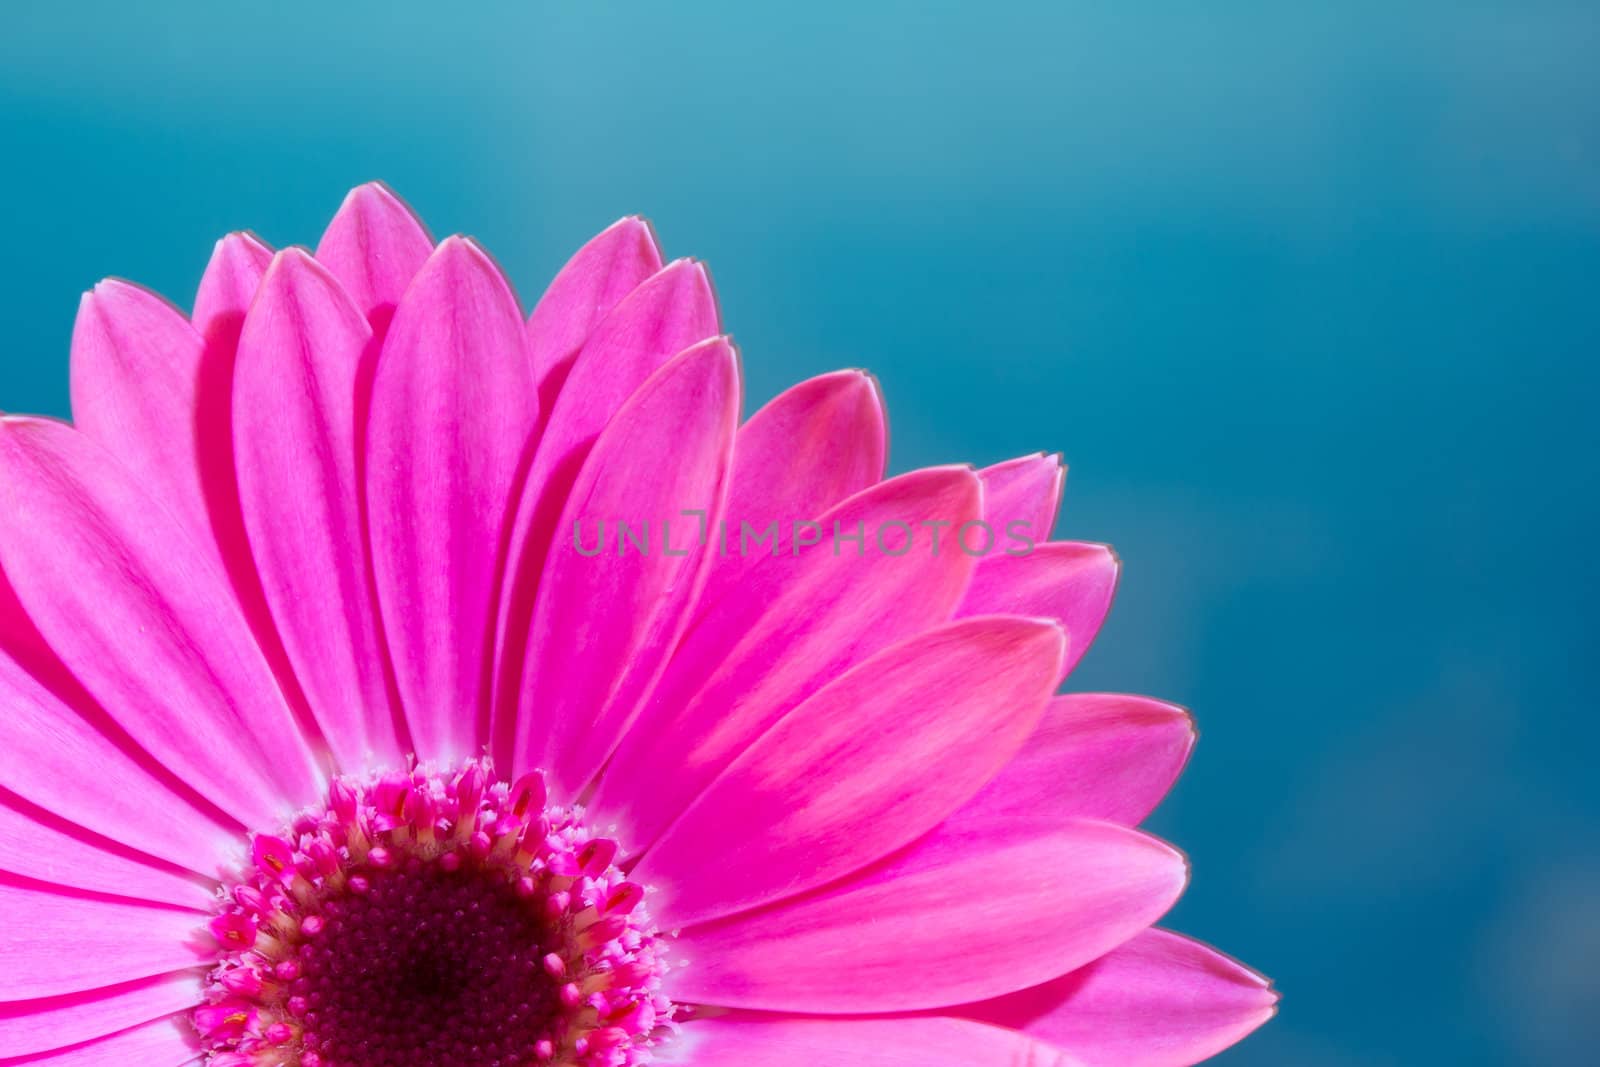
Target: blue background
(1307, 294)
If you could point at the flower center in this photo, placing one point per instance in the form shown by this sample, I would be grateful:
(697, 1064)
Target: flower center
(420, 920)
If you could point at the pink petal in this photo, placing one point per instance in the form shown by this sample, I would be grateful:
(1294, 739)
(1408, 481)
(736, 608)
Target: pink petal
(135, 374)
(375, 246)
(40, 845)
(228, 285)
(1067, 580)
(1095, 755)
(742, 1040)
(169, 1042)
(226, 292)
(58, 941)
(801, 454)
(452, 409)
(33, 1026)
(1025, 491)
(799, 620)
(597, 278)
(294, 431)
(964, 914)
(671, 311)
(829, 789)
(145, 621)
(68, 764)
(605, 622)
(1161, 1000)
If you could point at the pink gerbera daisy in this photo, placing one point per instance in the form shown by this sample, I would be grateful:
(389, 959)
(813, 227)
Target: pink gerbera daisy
(388, 681)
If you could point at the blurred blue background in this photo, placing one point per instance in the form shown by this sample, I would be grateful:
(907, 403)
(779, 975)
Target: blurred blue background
(1306, 293)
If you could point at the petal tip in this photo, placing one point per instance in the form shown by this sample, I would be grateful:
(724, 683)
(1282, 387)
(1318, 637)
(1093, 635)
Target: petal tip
(633, 228)
(290, 261)
(113, 288)
(1044, 631)
(689, 267)
(695, 269)
(376, 198)
(236, 240)
(863, 381)
(460, 254)
(722, 350)
(112, 297)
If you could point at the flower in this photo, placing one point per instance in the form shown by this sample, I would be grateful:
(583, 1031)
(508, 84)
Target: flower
(336, 737)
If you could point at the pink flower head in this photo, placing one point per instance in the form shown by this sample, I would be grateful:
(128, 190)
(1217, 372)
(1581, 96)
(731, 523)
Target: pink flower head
(389, 680)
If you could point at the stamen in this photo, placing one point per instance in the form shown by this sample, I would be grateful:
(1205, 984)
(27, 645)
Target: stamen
(419, 920)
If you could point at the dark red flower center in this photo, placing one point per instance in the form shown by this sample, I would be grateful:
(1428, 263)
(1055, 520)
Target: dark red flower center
(420, 921)
(429, 967)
